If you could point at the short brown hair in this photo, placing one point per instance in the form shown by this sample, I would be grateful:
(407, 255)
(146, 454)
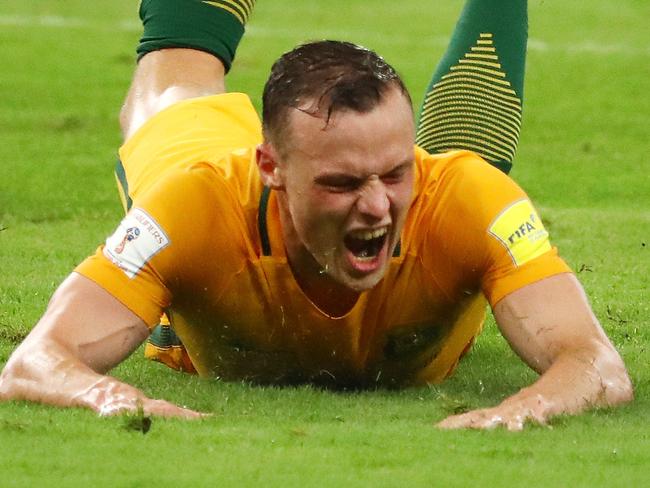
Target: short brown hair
(336, 75)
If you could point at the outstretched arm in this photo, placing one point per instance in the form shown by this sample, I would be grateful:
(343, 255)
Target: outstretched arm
(550, 325)
(84, 332)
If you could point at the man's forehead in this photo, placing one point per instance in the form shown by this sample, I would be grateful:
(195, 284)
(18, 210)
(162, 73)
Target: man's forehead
(307, 123)
(363, 169)
(320, 108)
(350, 146)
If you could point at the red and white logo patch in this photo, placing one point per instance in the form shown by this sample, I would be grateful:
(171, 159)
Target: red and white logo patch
(137, 239)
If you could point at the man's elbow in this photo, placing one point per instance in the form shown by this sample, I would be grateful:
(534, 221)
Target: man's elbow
(28, 370)
(617, 387)
(12, 377)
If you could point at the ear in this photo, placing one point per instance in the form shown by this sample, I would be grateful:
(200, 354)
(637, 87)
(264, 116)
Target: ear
(267, 165)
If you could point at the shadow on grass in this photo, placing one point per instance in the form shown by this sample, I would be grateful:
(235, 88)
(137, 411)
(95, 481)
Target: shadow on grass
(488, 374)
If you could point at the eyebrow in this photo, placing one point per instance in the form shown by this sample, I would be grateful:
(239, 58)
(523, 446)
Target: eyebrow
(323, 178)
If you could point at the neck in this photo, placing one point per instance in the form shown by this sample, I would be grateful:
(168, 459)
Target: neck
(327, 294)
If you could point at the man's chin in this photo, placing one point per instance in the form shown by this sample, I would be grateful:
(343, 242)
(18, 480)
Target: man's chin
(366, 284)
(362, 282)
(356, 274)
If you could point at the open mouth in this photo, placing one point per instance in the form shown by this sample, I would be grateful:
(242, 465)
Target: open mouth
(366, 245)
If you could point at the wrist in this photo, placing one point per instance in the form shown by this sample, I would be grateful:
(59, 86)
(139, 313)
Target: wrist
(108, 396)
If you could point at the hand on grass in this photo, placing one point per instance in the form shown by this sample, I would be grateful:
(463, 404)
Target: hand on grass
(149, 406)
(111, 397)
(579, 366)
(512, 414)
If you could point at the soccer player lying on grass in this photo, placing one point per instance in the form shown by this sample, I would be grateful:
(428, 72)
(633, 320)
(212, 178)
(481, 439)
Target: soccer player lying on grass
(320, 246)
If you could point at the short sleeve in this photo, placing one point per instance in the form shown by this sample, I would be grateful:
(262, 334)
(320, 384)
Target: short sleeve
(487, 230)
(523, 253)
(167, 242)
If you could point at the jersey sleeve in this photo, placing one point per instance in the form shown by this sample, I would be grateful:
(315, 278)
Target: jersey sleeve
(164, 242)
(492, 233)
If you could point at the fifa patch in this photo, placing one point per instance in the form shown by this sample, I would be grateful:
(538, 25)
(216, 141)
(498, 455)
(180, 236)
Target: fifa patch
(521, 231)
(137, 239)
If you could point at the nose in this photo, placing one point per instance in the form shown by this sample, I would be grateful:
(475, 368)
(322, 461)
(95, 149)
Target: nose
(373, 200)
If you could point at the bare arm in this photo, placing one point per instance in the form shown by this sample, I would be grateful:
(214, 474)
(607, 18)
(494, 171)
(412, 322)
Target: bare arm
(84, 332)
(550, 325)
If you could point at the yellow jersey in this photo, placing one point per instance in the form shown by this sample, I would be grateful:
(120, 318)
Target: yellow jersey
(202, 240)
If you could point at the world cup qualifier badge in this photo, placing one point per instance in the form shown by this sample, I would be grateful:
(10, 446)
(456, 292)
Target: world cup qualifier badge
(135, 241)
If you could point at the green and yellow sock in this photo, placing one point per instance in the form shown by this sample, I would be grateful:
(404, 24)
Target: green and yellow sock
(164, 346)
(214, 26)
(474, 100)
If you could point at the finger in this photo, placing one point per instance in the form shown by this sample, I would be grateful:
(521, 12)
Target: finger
(463, 421)
(486, 419)
(452, 422)
(512, 417)
(111, 409)
(541, 411)
(163, 408)
(516, 423)
(476, 419)
(158, 408)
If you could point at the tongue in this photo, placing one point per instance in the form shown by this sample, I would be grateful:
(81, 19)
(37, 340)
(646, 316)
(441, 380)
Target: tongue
(364, 248)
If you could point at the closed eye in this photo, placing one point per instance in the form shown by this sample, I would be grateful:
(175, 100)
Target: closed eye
(339, 183)
(397, 174)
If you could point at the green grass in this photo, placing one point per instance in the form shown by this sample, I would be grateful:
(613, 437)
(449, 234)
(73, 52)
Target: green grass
(582, 157)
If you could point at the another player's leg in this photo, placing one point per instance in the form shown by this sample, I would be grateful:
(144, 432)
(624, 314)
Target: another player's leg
(168, 76)
(474, 100)
(185, 51)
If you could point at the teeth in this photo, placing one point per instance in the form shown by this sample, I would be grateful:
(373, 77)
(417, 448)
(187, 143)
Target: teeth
(367, 235)
(364, 256)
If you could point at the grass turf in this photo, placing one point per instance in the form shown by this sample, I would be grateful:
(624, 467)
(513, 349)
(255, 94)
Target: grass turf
(581, 158)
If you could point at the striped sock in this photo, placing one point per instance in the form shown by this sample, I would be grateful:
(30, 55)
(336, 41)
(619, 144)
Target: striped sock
(474, 100)
(214, 26)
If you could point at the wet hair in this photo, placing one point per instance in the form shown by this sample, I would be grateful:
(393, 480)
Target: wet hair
(321, 78)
